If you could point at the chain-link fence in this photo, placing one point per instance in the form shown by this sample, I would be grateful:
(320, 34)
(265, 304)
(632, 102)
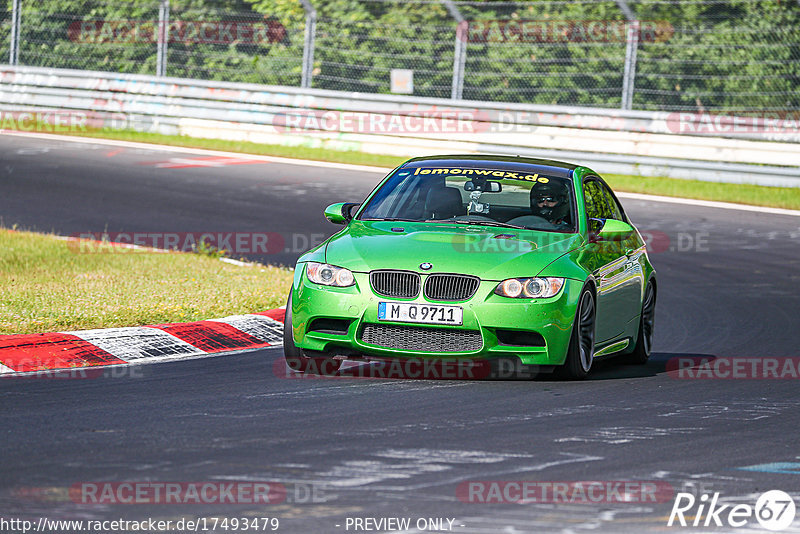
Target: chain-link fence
(694, 55)
(206, 41)
(70, 35)
(5, 31)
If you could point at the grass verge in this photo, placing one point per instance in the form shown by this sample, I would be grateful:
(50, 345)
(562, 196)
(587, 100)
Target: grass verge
(756, 195)
(297, 152)
(776, 197)
(49, 285)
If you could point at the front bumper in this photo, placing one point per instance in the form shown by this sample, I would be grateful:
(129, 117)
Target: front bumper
(489, 314)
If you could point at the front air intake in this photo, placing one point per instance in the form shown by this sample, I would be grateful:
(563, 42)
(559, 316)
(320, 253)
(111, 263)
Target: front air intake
(418, 339)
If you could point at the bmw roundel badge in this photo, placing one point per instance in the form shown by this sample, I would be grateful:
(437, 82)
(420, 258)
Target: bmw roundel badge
(425, 266)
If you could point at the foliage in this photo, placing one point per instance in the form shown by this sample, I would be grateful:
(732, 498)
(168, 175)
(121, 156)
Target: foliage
(710, 55)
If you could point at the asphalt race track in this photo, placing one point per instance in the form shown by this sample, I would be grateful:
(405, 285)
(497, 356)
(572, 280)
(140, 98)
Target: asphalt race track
(377, 448)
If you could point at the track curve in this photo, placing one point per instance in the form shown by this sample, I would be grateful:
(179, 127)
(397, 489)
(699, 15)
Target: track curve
(388, 448)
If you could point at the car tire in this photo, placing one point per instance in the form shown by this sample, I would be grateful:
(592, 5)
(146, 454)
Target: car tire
(644, 340)
(580, 352)
(296, 358)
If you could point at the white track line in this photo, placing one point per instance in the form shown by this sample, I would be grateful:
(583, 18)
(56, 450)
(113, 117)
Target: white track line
(237, 262)
(201, 151)
(709, 204)
(381, 170)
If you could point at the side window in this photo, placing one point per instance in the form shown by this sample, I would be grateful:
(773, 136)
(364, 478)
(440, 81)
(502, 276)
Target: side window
(596, 206)
(615, 211)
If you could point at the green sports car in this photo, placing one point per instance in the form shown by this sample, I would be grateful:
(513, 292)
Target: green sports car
(480, 258)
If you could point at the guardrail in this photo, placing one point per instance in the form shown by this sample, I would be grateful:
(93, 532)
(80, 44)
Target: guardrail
(681, 145)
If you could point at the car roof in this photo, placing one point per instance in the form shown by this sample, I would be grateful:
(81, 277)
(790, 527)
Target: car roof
(548, 167)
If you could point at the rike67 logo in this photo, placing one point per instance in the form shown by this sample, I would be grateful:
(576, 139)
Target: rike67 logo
(774, 510)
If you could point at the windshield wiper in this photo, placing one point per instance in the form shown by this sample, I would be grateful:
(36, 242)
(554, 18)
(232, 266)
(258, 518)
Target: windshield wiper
(486, 223)
(449, 221)
(394, 219)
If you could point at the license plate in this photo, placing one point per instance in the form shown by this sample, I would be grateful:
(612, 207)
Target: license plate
(404, 312)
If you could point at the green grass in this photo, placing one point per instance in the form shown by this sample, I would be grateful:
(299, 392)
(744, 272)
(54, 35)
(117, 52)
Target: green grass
(50, 285)
(757, 195)
(298, 152)
(778, 197)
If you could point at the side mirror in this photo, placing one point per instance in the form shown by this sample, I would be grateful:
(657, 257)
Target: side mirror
(608, 230)
(340, 213)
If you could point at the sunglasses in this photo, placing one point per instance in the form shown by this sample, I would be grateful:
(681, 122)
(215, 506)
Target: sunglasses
(546, 199)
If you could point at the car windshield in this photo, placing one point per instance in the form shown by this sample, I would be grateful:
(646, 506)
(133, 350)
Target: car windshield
(490, 197)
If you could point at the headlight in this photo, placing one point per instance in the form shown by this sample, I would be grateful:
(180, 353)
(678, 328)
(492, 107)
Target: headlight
(530, 288)
(329, 275)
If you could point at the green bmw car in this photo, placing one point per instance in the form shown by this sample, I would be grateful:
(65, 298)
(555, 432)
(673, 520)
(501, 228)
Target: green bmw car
(481, 258)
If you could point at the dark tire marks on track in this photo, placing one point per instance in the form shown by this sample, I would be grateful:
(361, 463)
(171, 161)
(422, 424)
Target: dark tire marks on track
(390, 447)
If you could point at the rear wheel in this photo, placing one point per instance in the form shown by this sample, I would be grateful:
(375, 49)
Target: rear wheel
(644, 341)
(580, 353)
(296, 358)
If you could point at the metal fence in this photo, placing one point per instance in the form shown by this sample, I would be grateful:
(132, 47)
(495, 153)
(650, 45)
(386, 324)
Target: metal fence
(696, 55)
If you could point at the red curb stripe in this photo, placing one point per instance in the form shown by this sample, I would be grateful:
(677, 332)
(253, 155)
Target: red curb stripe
(52, 351)
(42, 352)
(277, 314)
(212, 336)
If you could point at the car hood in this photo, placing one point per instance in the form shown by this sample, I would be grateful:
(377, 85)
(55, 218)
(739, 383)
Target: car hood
(491, 253)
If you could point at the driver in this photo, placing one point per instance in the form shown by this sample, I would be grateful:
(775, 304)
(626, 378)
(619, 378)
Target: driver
(551, 201)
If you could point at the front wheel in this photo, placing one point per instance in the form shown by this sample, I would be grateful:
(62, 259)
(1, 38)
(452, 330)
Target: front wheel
(296, 358)
(580, 353)
(644, 341)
